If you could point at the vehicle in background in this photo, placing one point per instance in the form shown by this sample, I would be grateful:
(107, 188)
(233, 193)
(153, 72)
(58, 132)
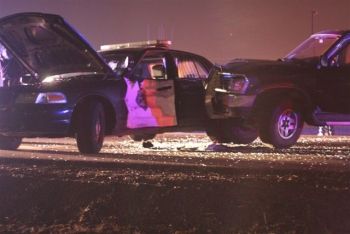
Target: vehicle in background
(274, 98)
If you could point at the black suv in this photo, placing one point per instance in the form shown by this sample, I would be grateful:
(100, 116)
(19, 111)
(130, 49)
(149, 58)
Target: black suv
(274, 98)
(53, 84)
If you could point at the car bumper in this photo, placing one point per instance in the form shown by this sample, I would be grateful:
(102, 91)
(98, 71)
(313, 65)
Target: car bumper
(230, 105)
(31, 120)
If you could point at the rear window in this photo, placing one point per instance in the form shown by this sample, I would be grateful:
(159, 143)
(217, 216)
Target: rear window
(190, 68)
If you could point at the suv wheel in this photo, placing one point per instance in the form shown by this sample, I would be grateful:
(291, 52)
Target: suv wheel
(281, 124)
(10, 143)
(243, 134)
(229, 131)
(91, 127)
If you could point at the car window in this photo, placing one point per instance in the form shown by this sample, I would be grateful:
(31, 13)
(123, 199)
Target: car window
(190, 68)
(120, 62)
(314, 46)
(342, 58)
(151, 66)
(347, 55)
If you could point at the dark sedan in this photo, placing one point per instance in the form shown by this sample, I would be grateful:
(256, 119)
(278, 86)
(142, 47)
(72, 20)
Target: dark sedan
(53, 84)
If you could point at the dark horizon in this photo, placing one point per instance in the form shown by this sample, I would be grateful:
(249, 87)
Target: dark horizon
(219, 30)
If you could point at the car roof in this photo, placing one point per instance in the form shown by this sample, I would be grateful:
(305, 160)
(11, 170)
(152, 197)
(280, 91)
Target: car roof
(145, 49)
(128, 50)
(336, 32)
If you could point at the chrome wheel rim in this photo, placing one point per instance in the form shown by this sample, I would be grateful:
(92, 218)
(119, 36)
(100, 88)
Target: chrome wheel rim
(97, 129)
(287, 124)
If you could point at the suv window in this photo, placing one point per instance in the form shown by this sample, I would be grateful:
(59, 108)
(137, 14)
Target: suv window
(346, 55)
(189, 67)
(151, 66)
(342, 58)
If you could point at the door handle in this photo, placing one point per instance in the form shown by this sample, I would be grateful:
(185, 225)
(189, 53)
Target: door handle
(164, 88)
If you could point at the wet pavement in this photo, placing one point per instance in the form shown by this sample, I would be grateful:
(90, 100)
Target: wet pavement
(181, 184)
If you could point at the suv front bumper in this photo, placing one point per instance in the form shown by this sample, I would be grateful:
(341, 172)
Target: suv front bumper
(228, 105)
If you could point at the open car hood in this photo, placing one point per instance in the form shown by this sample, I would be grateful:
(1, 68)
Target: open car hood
(47, 45)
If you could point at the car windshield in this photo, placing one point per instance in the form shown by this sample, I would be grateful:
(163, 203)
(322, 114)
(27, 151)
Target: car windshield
(314, 46)
(120, 61)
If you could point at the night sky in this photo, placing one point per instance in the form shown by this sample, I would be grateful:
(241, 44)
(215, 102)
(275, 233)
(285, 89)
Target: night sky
(218, 29)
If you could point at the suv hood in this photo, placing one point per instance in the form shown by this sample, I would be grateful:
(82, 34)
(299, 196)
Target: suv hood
(270, 68)
(47, 45)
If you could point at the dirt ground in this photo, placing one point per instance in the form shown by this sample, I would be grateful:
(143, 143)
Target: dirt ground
(64, 196)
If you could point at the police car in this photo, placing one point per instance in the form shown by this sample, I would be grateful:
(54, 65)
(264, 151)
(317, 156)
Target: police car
(53, 84)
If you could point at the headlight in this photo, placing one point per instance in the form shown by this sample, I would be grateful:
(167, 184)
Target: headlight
(42, 98)
(51, 98)
(237, 84)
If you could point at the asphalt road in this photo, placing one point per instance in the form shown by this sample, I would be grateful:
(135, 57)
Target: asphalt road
(181, 184)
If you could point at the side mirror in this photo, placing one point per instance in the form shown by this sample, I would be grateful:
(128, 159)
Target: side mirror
(26, 79)
(323, 62)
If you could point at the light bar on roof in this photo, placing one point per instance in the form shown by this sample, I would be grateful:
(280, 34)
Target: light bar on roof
(139, 44)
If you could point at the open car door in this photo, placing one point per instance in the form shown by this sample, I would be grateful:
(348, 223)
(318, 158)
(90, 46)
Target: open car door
(150, 96)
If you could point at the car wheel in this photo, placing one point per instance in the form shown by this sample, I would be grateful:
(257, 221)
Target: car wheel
(215, 132)
(243, 134)
(91, 127)
(231, 131)
(10, 143)
(281, 124)
(142, 137)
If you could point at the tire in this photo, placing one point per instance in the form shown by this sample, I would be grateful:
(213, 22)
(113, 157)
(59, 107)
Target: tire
(228, 131)
(244, 134)
(10, 143)
(280, 124)
(142, 137)
(90, 127)
(215, 132)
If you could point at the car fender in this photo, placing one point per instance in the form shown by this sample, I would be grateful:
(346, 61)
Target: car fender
(108, 106)
(275, 92)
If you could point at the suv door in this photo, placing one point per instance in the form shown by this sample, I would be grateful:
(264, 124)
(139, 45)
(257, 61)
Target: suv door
(334, 83)
(190, 80)
(150, 96)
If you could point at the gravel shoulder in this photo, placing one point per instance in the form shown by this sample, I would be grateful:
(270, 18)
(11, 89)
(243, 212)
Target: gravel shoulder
(169, 195)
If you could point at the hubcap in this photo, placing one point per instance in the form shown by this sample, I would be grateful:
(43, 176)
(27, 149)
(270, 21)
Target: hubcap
(97, 129)
(287, 124)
